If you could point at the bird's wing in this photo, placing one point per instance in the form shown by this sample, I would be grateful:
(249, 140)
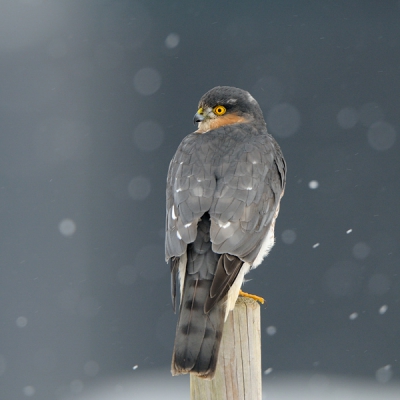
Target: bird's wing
(238, 177)
(247, 197)
(190, 189)
(245, 206)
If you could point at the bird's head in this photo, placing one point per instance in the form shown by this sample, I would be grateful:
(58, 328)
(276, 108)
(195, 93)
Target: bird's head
(225, 105)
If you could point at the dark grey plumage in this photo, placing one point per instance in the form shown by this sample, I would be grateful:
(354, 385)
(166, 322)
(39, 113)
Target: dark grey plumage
(223, 191)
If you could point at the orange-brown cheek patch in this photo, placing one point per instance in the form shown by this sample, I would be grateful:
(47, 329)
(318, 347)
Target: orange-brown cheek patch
(226, 120)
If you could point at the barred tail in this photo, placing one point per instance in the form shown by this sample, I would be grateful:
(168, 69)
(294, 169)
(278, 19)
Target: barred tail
(198, 335)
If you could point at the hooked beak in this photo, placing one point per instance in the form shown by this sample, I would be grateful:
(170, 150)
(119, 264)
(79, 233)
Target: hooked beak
(199, 116)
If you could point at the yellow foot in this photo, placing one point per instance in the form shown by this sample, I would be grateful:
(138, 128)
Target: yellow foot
(252, 296)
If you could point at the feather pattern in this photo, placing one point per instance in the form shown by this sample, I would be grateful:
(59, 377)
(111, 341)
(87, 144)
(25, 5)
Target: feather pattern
(223, 192)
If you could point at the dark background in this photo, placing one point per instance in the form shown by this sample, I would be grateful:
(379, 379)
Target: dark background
(95, 97)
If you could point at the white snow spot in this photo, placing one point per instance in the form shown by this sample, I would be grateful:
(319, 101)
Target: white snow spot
(313, 184)
(353, 316)
(187, 225)
(135, 367)
(224, 225)
(315, 245)
(172, 40)
(29, 391)
(179, 190)
(383, 309)
(21, 322)
(232, 101)
(173, 212)
(349, 231)
(67, 227)
(384, 374)
(271, 330)
(249, 188)
(268, 371)
(179, 236)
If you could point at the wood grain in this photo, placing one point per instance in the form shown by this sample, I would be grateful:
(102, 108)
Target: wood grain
(238, 375)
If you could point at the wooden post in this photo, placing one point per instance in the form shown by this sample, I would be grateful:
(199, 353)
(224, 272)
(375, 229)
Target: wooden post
(238, 375)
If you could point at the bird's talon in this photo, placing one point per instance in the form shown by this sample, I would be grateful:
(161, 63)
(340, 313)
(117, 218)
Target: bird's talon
(251, 296)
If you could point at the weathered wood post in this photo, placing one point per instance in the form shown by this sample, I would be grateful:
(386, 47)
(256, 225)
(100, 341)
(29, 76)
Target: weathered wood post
(238, 375)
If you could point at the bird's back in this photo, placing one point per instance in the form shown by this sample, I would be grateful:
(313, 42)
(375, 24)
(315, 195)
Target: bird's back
(224, 186)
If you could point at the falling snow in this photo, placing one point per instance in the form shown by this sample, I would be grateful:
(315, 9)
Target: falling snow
(353, 316)
(29, 391)
(268, 371)
(67, 227)
(95, 98)
(172, 40)
(21, 322)
(383, 309)
(313, 184)
(384, 374)
(271, 330)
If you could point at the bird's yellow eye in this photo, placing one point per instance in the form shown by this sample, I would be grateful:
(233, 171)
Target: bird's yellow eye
(219, 110)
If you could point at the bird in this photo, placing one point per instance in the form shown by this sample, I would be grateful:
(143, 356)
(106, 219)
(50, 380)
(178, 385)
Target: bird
(224, 187)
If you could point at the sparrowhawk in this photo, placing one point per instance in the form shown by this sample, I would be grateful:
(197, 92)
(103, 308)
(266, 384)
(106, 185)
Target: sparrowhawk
(224, 186)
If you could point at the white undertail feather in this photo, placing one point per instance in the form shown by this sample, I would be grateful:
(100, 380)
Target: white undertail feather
(233, 293)
(268, 242)
(266, 246)
(182, 272)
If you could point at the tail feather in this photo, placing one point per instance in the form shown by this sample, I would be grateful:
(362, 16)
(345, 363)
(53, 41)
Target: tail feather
(198, 334)
(199, 331)
(208, 356)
